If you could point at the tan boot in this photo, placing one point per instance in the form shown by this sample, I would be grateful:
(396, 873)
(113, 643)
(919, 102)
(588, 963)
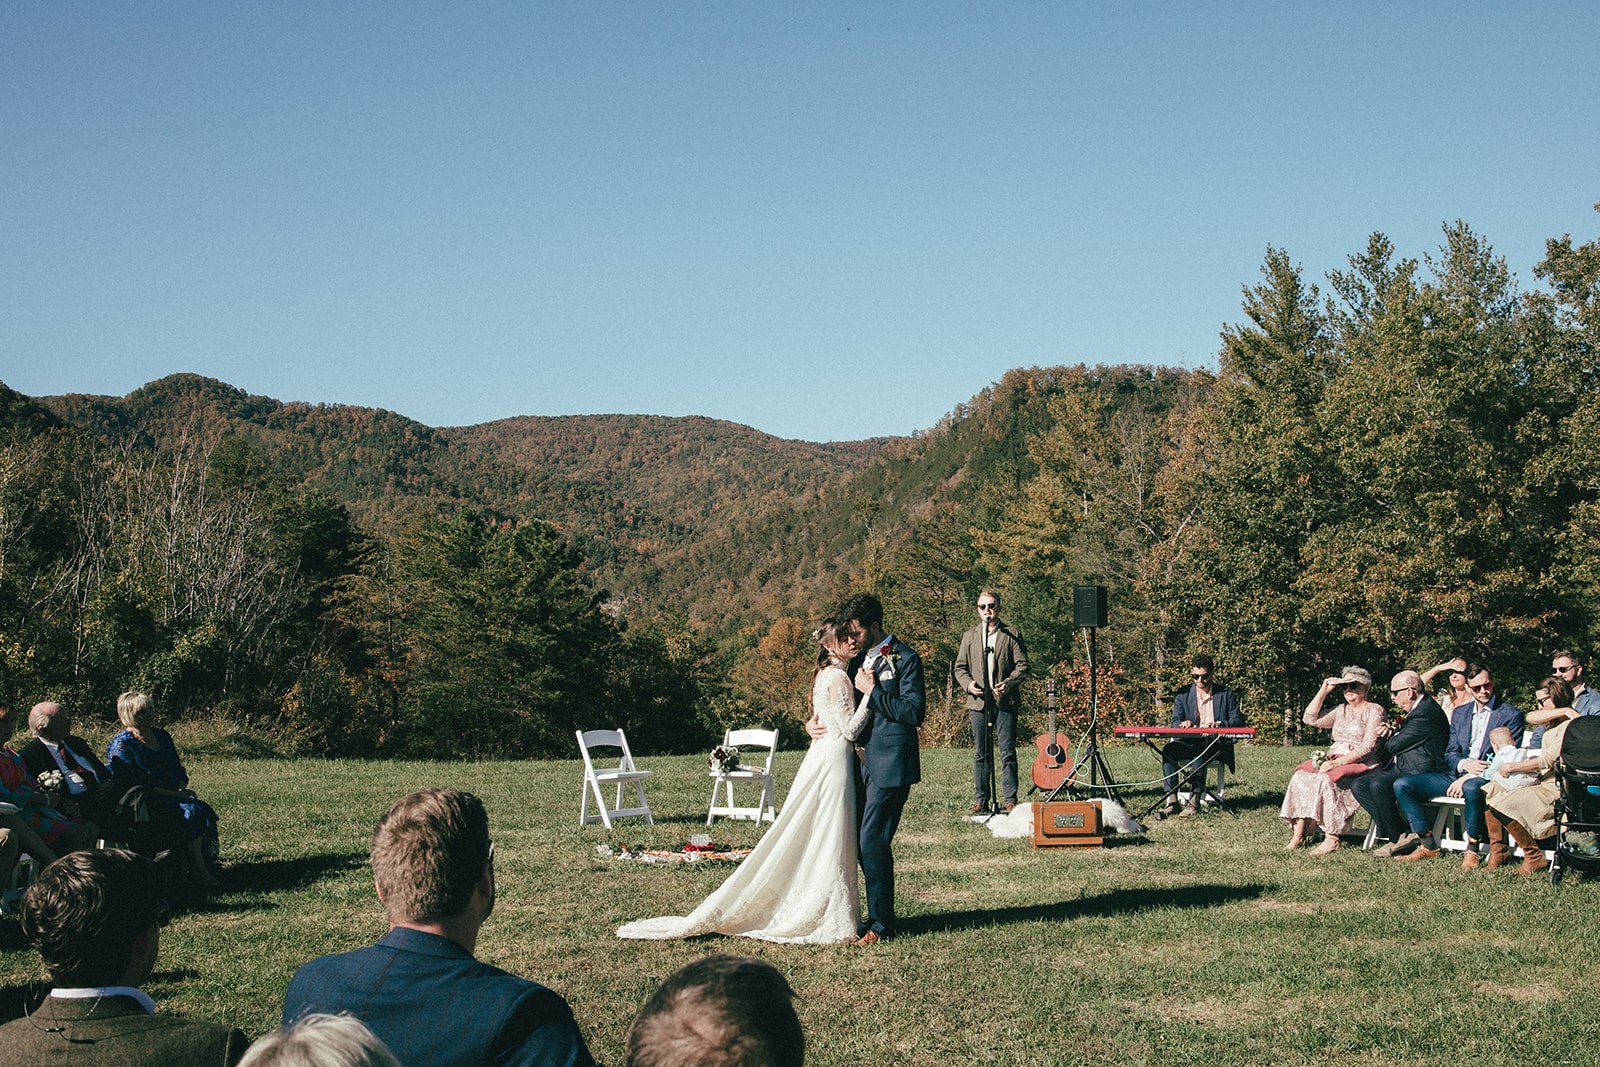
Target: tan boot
(1498, 853)
(1533, 860)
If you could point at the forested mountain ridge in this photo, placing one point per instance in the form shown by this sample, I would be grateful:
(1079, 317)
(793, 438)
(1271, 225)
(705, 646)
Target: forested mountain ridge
(726, 524)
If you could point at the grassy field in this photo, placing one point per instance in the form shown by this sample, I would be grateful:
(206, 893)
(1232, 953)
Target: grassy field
(1201, 943)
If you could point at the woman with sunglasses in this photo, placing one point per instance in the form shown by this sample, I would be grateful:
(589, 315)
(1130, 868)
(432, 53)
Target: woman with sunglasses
(1319, 795)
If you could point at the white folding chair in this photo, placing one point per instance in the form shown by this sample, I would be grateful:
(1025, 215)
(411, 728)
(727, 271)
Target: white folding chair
(625, 775)
(765, 809)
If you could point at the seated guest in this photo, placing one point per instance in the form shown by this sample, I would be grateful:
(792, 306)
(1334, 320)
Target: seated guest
(433, 867)
(1201, 703)
(1569, 668)
(143, 756)
(95, 918)
(722, 1011)
(52, 832)
(1465, 757)
(1416, 747)
(1455, 692)
(1527, 812)
(89, 786)
(1320, 796)
(321, 1041)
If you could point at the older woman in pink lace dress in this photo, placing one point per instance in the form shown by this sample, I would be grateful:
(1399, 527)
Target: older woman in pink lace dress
(1320, 795)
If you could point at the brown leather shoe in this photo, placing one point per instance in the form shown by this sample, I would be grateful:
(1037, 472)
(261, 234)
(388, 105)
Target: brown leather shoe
(1471, 861)
(979, 809)
(1533, 861)
(1190, 809)
(1421, 852)
(869, 938)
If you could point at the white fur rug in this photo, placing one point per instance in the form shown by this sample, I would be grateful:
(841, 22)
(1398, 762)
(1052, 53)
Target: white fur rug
(1018, 822)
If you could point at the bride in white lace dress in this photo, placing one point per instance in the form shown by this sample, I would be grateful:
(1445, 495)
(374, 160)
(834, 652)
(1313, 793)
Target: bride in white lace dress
(799, 885)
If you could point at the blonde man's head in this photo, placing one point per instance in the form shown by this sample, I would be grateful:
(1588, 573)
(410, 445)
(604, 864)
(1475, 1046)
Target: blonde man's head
(428, 852)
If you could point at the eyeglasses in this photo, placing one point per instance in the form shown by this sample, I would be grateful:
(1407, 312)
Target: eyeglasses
(1543, 698)
(1397, 690)
(1200, 676)
(1481, 687)
(1564, 670)
(987, 607)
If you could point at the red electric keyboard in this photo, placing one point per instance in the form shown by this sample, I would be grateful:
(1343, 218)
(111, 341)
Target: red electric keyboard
(1193, 774)
(1184, 731)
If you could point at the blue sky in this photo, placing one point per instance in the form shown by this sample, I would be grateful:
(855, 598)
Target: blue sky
(828, 221)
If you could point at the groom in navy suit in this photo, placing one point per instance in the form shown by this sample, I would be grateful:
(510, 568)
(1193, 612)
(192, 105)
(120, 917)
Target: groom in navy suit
(889, 674)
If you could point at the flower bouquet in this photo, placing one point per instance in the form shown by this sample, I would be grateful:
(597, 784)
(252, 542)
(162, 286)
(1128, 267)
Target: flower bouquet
(724, 758)
(50, 781)
(1318, 758)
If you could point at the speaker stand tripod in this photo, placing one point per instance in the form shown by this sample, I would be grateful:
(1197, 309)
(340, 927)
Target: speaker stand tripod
(1101, 779)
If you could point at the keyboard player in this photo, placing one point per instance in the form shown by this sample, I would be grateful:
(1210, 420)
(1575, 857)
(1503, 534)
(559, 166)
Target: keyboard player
(1201, 703)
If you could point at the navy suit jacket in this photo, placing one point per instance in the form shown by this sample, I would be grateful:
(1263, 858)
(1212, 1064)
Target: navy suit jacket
(1418, 746)
(1500, 714)
(1224, 709)
(432, 1003)
(893, 749)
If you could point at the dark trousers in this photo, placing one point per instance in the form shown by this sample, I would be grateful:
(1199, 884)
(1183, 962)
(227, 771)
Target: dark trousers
(1005, 733)
(880, 810)
(1375, 792)
(1178, 755)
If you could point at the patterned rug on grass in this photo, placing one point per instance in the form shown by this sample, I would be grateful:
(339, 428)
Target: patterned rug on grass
(698, 849)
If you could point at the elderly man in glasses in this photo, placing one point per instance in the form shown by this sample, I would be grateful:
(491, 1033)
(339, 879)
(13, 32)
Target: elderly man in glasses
(1201, 703)
(1465, 758)
(1416, 747)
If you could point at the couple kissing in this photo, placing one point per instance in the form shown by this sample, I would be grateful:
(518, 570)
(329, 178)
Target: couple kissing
(799, 885)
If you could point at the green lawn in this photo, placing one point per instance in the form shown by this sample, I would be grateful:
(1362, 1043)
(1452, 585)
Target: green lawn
(1203, 943)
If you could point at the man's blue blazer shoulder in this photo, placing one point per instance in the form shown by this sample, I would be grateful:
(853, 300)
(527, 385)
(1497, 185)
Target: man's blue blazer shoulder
(432, 1002)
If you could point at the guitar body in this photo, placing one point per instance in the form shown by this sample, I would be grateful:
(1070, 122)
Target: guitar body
(1052, 766)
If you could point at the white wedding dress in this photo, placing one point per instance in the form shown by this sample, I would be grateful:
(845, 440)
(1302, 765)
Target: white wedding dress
(799, 885)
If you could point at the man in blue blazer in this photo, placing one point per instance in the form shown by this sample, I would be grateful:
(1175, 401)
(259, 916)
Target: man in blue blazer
(889, 675)
(420, 989)
(1465, 757)
(1202, 703)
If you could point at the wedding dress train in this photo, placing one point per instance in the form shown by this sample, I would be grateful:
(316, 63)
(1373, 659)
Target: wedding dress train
(799, 885)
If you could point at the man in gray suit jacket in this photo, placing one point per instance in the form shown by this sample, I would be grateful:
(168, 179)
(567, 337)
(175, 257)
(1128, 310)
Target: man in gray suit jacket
(989, 668)
(95, 918)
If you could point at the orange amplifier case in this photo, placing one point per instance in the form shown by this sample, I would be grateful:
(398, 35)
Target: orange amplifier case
(1065, 823)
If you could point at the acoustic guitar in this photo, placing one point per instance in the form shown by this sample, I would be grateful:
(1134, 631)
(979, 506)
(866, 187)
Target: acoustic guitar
(1052, 766)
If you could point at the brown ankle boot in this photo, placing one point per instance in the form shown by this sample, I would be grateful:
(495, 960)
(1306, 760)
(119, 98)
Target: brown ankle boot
(1533, 860)
(1498, 853)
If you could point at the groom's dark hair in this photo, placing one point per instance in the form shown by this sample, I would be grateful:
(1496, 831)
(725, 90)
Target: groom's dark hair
(721, 1011)
(863, 608)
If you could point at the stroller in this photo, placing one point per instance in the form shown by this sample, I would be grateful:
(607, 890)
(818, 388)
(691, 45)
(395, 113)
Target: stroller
(1578, 805)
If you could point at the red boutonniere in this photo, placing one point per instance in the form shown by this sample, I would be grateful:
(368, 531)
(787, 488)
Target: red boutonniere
(889, 658)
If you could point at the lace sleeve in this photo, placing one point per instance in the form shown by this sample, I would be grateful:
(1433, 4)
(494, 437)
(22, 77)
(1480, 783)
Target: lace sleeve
(831, 700)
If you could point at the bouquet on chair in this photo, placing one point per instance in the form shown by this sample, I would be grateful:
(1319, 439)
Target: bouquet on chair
(724, 758)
